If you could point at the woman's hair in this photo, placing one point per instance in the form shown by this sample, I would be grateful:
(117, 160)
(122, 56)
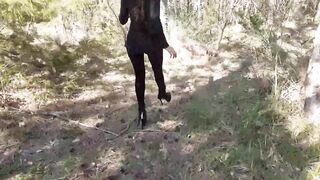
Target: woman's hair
(138, 12)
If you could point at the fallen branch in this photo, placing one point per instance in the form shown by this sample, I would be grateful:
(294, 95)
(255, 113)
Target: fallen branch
(137, 131)
(123, 131)
(79, 123)
(308, 40)
(8, 146)
(76, 176)
(105, 131)
(148, 130)
(55, 115)
(127, 128)
(113, 111)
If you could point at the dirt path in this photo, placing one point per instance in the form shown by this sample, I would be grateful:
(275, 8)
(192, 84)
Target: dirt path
(171, 147)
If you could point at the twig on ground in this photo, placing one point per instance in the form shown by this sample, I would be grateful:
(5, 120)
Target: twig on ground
(76, 176)
(113, 111)
(136, 131)
(55, 115)
(127, 128)
(116, 135)
(308, 40)
(8, 146)
(147, 130)
(170, 176)
(79, 123)
(123, 131)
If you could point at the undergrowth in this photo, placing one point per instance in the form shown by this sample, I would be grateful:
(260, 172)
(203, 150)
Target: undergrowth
(263, 147)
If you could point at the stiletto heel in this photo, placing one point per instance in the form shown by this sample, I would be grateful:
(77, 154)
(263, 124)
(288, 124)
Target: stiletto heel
(166, 96)
(161, 101)
(142, 118)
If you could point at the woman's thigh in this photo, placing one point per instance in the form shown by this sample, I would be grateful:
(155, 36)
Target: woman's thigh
(156, 59)
(137, 61)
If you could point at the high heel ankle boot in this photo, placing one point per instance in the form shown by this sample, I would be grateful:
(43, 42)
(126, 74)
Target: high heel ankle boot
(166, 96)
(142, 118)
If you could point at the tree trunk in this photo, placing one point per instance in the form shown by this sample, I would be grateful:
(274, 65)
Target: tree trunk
(165, 14)
(188, 6)
(312, 85)
(200, 10)
(223, 27)
(317, 16)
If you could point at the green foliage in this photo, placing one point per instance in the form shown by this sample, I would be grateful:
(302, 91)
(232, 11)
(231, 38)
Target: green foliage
(203, 30)
(33, 173)
(256, 135)
(6, 73)
(70, 163)
(252, 122)
(292, 154)
(17, 12)
(261, 146)
(201, 115)
(256, 22)
(13, 168)
(5, 115)
(51, 64)
(33, 133)
(65, 167)
(65, 59)
(70, 133)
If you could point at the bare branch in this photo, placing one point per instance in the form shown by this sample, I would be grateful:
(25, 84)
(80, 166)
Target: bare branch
(116, 16)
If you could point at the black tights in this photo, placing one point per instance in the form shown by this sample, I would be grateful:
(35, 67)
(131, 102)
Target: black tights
(156, 60)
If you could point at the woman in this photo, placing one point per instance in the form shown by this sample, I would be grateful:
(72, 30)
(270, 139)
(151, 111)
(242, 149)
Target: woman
(145, 36)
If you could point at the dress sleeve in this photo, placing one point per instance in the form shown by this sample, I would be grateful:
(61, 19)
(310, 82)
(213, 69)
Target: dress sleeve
(124, 12)
(155, 25)
(161, 36)
(163, 41)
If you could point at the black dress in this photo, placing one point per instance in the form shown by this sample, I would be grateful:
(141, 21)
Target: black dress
(146, 35)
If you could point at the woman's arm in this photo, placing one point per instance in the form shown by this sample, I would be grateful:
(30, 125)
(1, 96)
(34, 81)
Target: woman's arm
(124, 12)
(162, 40)
(157, 31)
(164, 44)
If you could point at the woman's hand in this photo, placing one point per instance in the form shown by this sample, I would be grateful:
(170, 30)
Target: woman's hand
(171, 51)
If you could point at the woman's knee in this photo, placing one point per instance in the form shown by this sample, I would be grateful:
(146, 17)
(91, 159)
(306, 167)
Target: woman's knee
(158, 71)
(140, 85)
(140, 75)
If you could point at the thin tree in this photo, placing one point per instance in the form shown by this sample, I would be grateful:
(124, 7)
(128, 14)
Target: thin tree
(312, 84)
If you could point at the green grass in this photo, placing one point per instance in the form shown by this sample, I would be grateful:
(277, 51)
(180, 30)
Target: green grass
(5, 115)
(22, 171)
(70, 133)
(6, 171)
(262, 147)
(257, 138)
(201, 116)
(34, 172)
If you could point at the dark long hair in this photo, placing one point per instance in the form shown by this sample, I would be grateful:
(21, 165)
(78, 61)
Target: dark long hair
(138, 12)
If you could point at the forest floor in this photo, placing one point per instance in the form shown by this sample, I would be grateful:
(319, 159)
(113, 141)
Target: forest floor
(220, 124)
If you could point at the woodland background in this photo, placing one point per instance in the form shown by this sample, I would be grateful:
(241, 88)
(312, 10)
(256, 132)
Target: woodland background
(245, 91)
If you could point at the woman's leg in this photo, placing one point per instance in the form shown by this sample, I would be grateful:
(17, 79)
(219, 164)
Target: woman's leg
(156, 60)
(137, 61)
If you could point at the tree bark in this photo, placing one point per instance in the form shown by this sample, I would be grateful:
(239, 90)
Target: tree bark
(317, 16)
(312, 84)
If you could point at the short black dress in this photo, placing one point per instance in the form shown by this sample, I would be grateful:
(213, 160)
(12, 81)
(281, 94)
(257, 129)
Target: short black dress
(145, 34)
